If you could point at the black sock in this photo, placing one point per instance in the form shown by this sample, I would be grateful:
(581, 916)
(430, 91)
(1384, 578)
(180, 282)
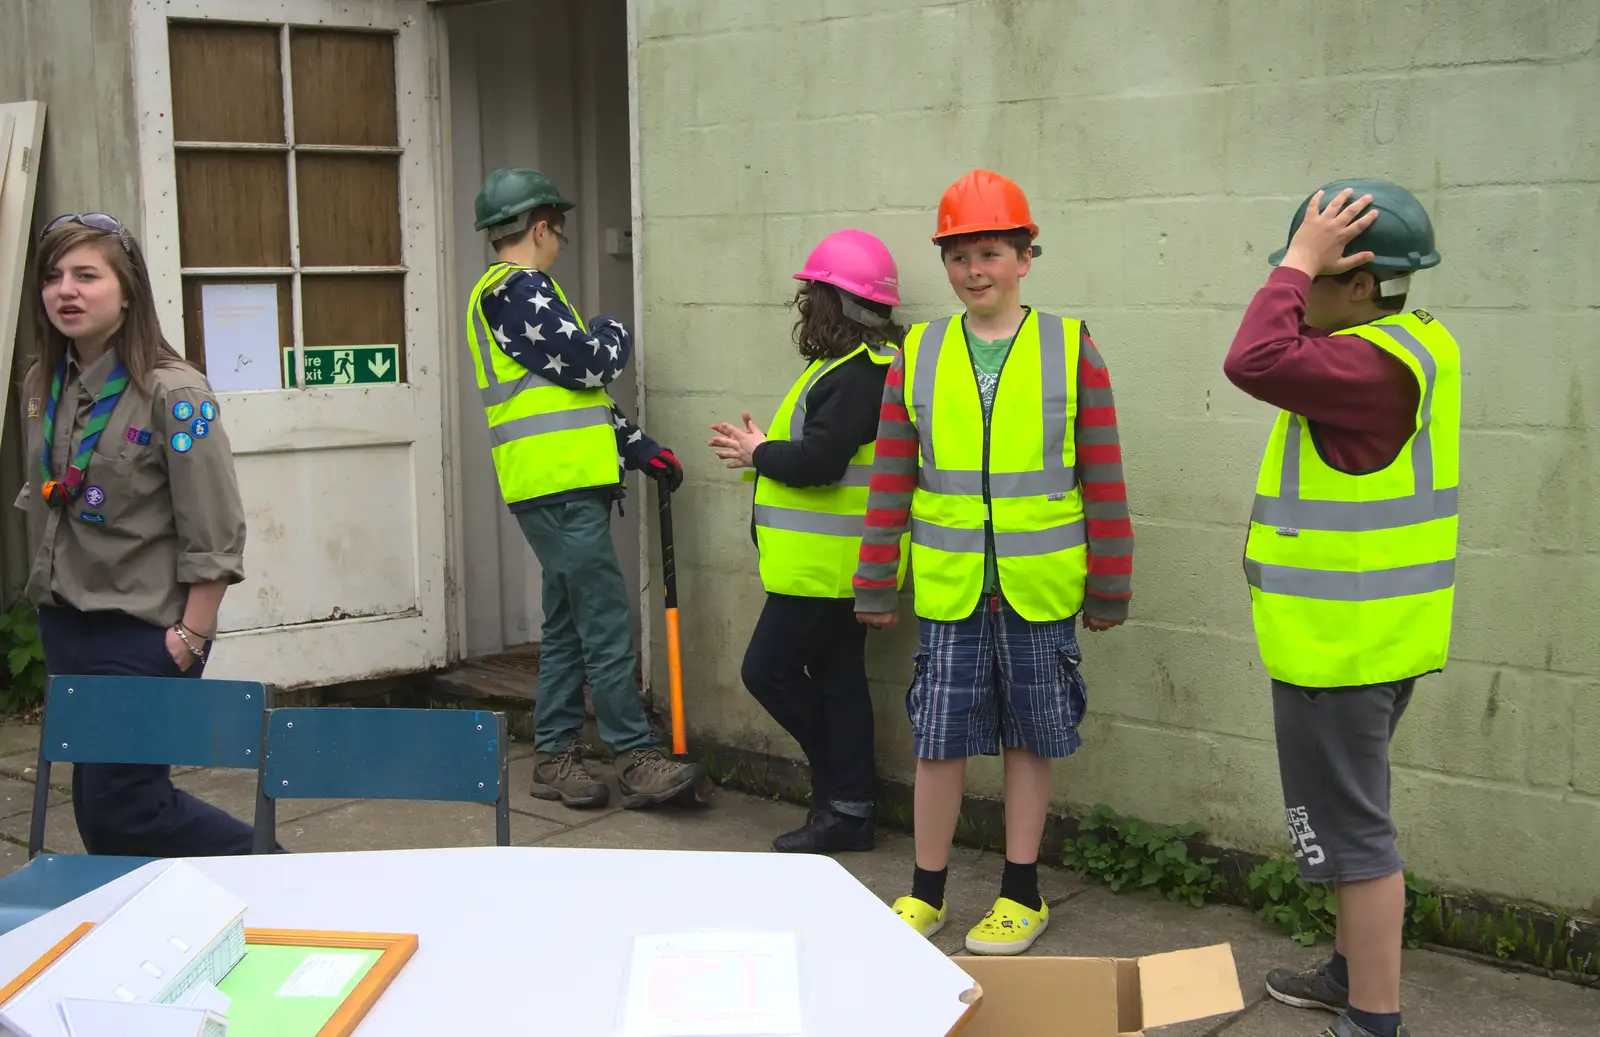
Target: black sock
(928, 886)
(1382, 1024)
(1020, 882)
(1339, 969)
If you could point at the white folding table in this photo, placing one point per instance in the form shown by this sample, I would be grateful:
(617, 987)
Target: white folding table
(537, 940)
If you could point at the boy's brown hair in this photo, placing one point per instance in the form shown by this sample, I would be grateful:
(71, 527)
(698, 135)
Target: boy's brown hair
(1018, 239)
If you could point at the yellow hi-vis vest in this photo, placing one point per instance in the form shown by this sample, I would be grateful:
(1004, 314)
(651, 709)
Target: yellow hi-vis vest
(544, 438)
(1352, 577)
(809, 538)
(1020, 475)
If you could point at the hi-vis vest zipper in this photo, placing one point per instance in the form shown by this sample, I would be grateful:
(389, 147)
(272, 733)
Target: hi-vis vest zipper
(809, 538)
(1022, 477)
(1352, 577)
(544, 438)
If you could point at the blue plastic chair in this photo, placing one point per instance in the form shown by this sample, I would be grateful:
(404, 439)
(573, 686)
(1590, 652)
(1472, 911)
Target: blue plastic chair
(178, 721)
(450, 755)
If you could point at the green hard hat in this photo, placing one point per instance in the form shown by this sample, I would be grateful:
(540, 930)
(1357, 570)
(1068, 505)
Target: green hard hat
(1401, 238)
(509, 192)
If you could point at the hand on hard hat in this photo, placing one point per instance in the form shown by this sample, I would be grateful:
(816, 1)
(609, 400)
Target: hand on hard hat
(1398, 239)
(1318, 245)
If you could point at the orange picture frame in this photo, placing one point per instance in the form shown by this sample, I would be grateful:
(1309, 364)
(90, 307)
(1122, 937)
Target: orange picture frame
(396, 948)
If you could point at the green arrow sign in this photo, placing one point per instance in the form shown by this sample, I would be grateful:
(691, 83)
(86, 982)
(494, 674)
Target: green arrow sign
(345, 365)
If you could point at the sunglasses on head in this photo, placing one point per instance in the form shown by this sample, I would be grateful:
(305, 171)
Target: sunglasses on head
(94, 220)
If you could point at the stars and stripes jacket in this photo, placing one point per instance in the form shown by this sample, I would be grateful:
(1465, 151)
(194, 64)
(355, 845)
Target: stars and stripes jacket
(537, 330)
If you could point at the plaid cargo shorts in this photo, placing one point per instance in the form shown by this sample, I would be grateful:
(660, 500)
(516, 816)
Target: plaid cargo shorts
(996, 679)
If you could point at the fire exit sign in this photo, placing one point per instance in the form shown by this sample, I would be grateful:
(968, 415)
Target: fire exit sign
(345, 365)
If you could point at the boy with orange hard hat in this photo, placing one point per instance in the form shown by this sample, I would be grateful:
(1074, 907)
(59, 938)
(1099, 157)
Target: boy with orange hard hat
(997, 448)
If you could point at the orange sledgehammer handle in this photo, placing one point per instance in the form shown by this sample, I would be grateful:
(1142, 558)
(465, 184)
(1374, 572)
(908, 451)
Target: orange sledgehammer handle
(669, 579)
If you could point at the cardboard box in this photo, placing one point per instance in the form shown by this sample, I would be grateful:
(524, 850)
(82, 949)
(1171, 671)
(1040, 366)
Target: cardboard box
(1099, 997)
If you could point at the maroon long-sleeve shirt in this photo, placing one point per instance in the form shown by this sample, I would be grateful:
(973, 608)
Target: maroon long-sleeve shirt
(1360, 401)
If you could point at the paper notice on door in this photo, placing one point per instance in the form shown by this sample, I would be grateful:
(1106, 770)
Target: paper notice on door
(713, 985)
(240, 324)
(322, 975)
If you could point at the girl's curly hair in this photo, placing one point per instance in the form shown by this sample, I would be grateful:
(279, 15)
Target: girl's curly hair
(822, 329)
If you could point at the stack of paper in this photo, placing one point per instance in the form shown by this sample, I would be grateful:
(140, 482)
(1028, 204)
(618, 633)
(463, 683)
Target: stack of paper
(713, 983)
(121, 1019)
(171, 943)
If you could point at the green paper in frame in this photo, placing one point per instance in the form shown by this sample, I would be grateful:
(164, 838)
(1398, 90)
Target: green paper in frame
(380, 958)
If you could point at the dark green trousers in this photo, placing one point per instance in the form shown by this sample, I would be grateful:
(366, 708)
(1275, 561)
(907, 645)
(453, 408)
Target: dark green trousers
(587, 629)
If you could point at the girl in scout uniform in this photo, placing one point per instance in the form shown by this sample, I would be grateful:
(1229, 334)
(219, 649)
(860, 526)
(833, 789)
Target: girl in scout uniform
(806, 660)
(134, 517)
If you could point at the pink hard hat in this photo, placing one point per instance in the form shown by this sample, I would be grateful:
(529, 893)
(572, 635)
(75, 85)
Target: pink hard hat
(857, 262)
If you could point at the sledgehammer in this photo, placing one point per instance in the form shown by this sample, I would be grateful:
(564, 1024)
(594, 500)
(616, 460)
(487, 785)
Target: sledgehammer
(669, 579)
(699, 794)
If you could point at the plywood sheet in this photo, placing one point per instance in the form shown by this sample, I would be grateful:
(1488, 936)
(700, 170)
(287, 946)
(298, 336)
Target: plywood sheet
(22, 126)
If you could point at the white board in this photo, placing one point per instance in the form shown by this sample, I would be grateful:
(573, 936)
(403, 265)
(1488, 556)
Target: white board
(21, 132)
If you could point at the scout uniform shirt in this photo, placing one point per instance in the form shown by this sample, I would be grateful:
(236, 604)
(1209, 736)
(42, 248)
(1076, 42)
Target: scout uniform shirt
(158, 506)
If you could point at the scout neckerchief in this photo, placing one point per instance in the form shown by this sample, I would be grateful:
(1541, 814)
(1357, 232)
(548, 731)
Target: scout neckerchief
(59, 493)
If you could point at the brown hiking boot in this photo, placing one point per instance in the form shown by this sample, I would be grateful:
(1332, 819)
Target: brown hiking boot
(648, 776)
(562, 776)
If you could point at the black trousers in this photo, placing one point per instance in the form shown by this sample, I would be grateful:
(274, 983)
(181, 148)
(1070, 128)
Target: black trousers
(132, 810)
(806, 664)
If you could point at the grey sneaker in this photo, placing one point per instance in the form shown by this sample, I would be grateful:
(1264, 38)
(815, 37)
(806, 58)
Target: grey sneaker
(1344, 1026)
(1313, 988)
(562, 776)
(646, 777)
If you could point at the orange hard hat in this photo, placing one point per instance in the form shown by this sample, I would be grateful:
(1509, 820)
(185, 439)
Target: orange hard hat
(983, 201)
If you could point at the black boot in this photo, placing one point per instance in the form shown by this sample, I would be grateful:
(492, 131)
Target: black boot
(827, 832)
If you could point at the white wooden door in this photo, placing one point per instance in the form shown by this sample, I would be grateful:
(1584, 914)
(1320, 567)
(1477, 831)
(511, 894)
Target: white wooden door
(288, 157)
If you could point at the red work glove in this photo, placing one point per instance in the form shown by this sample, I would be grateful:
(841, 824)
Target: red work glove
(665, 469)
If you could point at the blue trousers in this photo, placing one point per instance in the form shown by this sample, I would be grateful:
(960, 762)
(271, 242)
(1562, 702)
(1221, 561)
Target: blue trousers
(132, 810)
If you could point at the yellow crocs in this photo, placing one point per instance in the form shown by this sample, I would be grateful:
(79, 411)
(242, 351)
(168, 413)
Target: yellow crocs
(1008, 928)
(920, 915)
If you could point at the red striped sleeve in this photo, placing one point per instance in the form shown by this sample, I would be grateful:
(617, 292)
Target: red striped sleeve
(1105, 495)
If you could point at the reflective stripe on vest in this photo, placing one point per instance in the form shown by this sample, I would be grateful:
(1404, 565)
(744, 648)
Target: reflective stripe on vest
(544, 438)
(1033, 505)
(1352, 576)
(809, 538)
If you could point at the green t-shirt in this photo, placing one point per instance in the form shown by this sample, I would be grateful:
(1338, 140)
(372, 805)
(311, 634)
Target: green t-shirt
(987, 360)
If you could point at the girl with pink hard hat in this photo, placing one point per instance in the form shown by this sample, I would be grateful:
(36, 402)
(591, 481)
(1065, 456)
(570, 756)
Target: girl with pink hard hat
(806, 661)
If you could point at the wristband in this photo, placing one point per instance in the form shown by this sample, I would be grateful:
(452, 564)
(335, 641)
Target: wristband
(183, 635)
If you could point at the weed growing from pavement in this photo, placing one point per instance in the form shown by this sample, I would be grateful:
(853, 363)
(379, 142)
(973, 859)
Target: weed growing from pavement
(1127, 854)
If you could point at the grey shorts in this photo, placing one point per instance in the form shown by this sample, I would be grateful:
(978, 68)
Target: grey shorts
(1333, 759)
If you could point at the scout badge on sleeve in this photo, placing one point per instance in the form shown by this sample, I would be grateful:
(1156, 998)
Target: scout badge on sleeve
(60, 492)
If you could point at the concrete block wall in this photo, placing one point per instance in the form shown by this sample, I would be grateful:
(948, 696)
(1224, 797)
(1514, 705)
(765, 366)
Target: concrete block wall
(1164, 147)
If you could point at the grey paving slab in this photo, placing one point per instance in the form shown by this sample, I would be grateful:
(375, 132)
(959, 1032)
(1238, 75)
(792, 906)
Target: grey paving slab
(235, 792)
(733, 822)
(60, 830)
(21, 767)
(17, 737)
(16, 797)
(404, 825)
(12, 857)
